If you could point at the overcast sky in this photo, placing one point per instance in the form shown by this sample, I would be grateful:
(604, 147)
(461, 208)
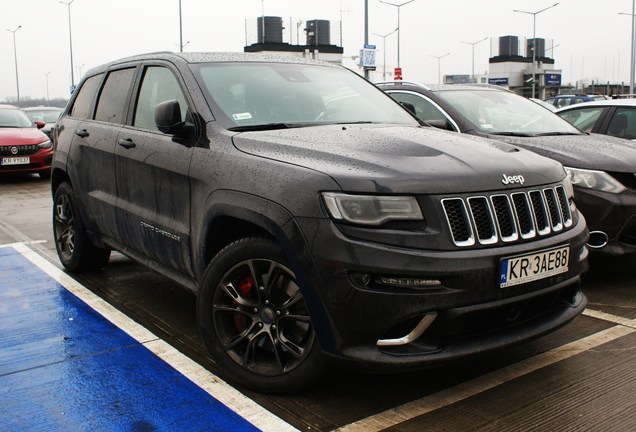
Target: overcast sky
(591, 37)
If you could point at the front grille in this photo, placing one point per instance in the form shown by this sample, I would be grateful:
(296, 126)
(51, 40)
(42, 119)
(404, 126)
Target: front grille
(22, 150)
(503, 217)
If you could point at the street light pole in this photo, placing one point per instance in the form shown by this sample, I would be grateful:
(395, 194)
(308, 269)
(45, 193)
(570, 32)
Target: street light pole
(47, 86)
(472, 77)
(633, 46)
(398, 6)
(15, 56)
(70, 40)
(439, 66)
(180, 29)
(534, 39)
(384, 52)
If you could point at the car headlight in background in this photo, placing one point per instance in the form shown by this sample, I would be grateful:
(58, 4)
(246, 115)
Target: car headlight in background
(46, 144)
(370, 209)
(598, 180)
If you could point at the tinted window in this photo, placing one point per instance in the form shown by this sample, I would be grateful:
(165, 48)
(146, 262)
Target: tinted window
(112, 99)
(583, 118)
(84, 100)
(159, 85)
(623, 124)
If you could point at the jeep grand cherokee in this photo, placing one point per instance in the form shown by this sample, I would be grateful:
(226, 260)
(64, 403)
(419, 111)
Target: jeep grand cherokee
(314, 218)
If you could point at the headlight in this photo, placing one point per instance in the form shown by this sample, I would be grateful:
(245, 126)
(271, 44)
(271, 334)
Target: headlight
(46, 144)
(371, 210)
(597, 180)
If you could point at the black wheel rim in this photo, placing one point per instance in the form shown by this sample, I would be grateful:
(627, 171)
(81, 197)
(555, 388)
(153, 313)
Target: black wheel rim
(64, 228)
(261, 319)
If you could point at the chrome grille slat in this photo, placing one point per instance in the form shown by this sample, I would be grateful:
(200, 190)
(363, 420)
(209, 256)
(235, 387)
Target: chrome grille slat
(507, 217)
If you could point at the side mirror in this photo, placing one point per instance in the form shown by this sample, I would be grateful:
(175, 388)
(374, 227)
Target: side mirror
(39, 124)
(168, 117)
(409, 107)
(439, 124)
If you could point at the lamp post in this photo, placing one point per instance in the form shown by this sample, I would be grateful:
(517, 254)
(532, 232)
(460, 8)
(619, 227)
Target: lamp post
(384, 52)
(398, 6)
(439, 66)
(534, 40)
(472, 76)
(15, 56)
(180, 29)
(70, 40)
(633, 46)
(47, 86)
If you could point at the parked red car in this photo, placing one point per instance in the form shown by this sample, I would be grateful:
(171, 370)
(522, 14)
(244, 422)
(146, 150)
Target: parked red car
(23, 147)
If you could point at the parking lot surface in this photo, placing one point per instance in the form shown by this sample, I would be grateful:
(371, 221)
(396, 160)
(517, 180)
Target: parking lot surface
(582, 377)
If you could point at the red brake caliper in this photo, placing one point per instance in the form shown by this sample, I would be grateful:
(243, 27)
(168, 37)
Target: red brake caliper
(245, 290)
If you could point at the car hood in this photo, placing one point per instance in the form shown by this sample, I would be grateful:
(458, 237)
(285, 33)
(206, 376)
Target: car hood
(593, 151)
(21, 136)
(411, 159)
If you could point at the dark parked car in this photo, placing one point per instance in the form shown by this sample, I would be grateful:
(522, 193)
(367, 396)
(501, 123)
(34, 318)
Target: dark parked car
(313, 217)
(23, 147)
(561, 101)
(602, 168)
(615, 117)
(48, 115)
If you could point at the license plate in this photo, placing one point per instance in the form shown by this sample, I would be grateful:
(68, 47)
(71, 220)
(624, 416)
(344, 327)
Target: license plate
(16, 161)
(538, 265)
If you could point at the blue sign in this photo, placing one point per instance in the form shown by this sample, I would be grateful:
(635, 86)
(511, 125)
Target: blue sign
(553, 79)
(498, 81)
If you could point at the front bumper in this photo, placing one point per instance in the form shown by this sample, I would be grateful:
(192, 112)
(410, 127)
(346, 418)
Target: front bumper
(38, 162)
(351, 311)
(612, 214)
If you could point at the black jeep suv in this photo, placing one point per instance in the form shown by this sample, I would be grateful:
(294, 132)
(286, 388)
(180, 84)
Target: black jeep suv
(314, 218)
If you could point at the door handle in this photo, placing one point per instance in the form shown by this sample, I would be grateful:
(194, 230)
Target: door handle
(126, 143)
(82, 133)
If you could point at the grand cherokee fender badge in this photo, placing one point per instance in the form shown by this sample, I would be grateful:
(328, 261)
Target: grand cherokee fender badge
(513, 179)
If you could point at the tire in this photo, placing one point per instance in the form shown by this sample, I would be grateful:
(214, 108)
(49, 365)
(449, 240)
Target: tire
(254, 320)
(75, 250)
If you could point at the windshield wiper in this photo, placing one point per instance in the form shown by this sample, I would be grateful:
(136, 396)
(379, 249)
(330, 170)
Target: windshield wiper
(264, 127)
(513, 134)
(558, 133)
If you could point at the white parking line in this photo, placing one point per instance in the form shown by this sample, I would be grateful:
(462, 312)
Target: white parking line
(486, 382)
(217, 388)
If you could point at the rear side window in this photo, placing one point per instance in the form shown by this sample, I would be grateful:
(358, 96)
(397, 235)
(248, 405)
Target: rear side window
(159, 85)
(84, 100)
(113, 97)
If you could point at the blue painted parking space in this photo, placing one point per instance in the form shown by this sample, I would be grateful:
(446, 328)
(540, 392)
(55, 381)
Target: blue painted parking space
(65, 367)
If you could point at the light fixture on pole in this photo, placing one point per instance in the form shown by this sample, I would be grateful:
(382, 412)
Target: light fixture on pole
(439, 67)
(15, 56)
(633, 47)
(398, 6)
(534, 40)
(70, 40)
(384, 51)
(472, 76)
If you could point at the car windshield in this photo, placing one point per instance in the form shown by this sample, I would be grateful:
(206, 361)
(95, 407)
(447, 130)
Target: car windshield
(47, 116)
(279, 95)
(14, 118)
(504, 113)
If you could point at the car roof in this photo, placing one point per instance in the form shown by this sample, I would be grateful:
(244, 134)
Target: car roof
(6, 106)
(209, 57)
(440, 87)
(607, 102)
(42, 108)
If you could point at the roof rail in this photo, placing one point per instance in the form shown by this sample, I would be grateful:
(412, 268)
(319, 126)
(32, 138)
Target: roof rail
(400, 82)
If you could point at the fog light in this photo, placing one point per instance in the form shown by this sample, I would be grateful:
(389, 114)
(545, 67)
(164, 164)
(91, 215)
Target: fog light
(409, 282)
